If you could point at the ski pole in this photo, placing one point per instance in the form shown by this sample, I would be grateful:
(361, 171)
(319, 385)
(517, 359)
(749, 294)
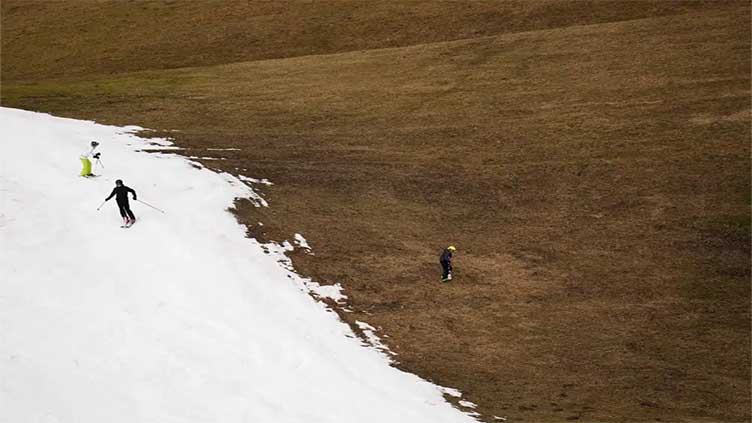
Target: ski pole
(97, 157)
(100, 206)
(143, 202)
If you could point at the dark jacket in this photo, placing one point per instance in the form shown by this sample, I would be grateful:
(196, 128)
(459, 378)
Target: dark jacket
(121, 194)
(446, 256)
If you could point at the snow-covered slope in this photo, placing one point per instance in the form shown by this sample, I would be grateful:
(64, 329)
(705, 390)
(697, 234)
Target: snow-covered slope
(180, 318)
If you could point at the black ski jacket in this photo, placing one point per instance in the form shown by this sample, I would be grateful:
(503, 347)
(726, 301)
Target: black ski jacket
(446, 256)
(121, 194)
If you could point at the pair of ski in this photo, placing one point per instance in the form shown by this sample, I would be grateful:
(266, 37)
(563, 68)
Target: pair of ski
(128, 224)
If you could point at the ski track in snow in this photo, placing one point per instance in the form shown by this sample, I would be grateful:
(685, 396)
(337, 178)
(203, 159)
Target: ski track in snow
(180, 318)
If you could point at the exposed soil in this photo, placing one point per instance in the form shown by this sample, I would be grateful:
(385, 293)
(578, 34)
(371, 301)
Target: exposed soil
(595, 178)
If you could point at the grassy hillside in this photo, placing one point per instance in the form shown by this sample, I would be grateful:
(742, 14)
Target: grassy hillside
(45, 38)
(594, 177)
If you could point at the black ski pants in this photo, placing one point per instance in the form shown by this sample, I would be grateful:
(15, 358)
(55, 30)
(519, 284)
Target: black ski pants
(446, 268)
(125, 210)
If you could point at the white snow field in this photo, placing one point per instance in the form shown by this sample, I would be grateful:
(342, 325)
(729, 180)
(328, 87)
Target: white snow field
(180, 318)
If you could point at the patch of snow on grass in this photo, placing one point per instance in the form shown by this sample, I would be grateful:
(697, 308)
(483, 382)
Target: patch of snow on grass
(254, 180)
(370, 333)
(302, 242)
(333, 292)
(181, 318)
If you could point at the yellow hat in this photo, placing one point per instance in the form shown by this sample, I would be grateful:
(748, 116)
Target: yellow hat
(452, 247)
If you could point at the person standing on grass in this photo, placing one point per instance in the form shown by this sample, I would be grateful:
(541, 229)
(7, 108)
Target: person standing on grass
(446, 263)
(121, 196)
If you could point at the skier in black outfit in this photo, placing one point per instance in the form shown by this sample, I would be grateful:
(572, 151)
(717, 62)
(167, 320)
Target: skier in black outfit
(446, 263)
(121, 196)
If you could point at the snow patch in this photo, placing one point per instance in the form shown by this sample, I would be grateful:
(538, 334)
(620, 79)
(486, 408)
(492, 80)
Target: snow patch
(451, 392)
(302, 242)
(372, 339)
(333, 292)
(180, 318)
(254, 180)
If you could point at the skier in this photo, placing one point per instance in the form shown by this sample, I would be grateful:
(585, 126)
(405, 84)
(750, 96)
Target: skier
(86, 163)
(121, 196)
(446, 263)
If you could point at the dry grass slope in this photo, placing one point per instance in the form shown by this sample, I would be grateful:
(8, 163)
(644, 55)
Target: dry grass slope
(63, 38)
(595, 178)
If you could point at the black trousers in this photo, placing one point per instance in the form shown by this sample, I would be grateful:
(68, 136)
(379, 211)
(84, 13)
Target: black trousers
(125, 210)
(446, 268)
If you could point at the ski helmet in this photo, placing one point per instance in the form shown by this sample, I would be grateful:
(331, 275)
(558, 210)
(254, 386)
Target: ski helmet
(119, 182)
(94, 144)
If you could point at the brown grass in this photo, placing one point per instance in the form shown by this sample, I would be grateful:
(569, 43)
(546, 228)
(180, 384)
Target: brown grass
(59, 38)
(595, 179)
